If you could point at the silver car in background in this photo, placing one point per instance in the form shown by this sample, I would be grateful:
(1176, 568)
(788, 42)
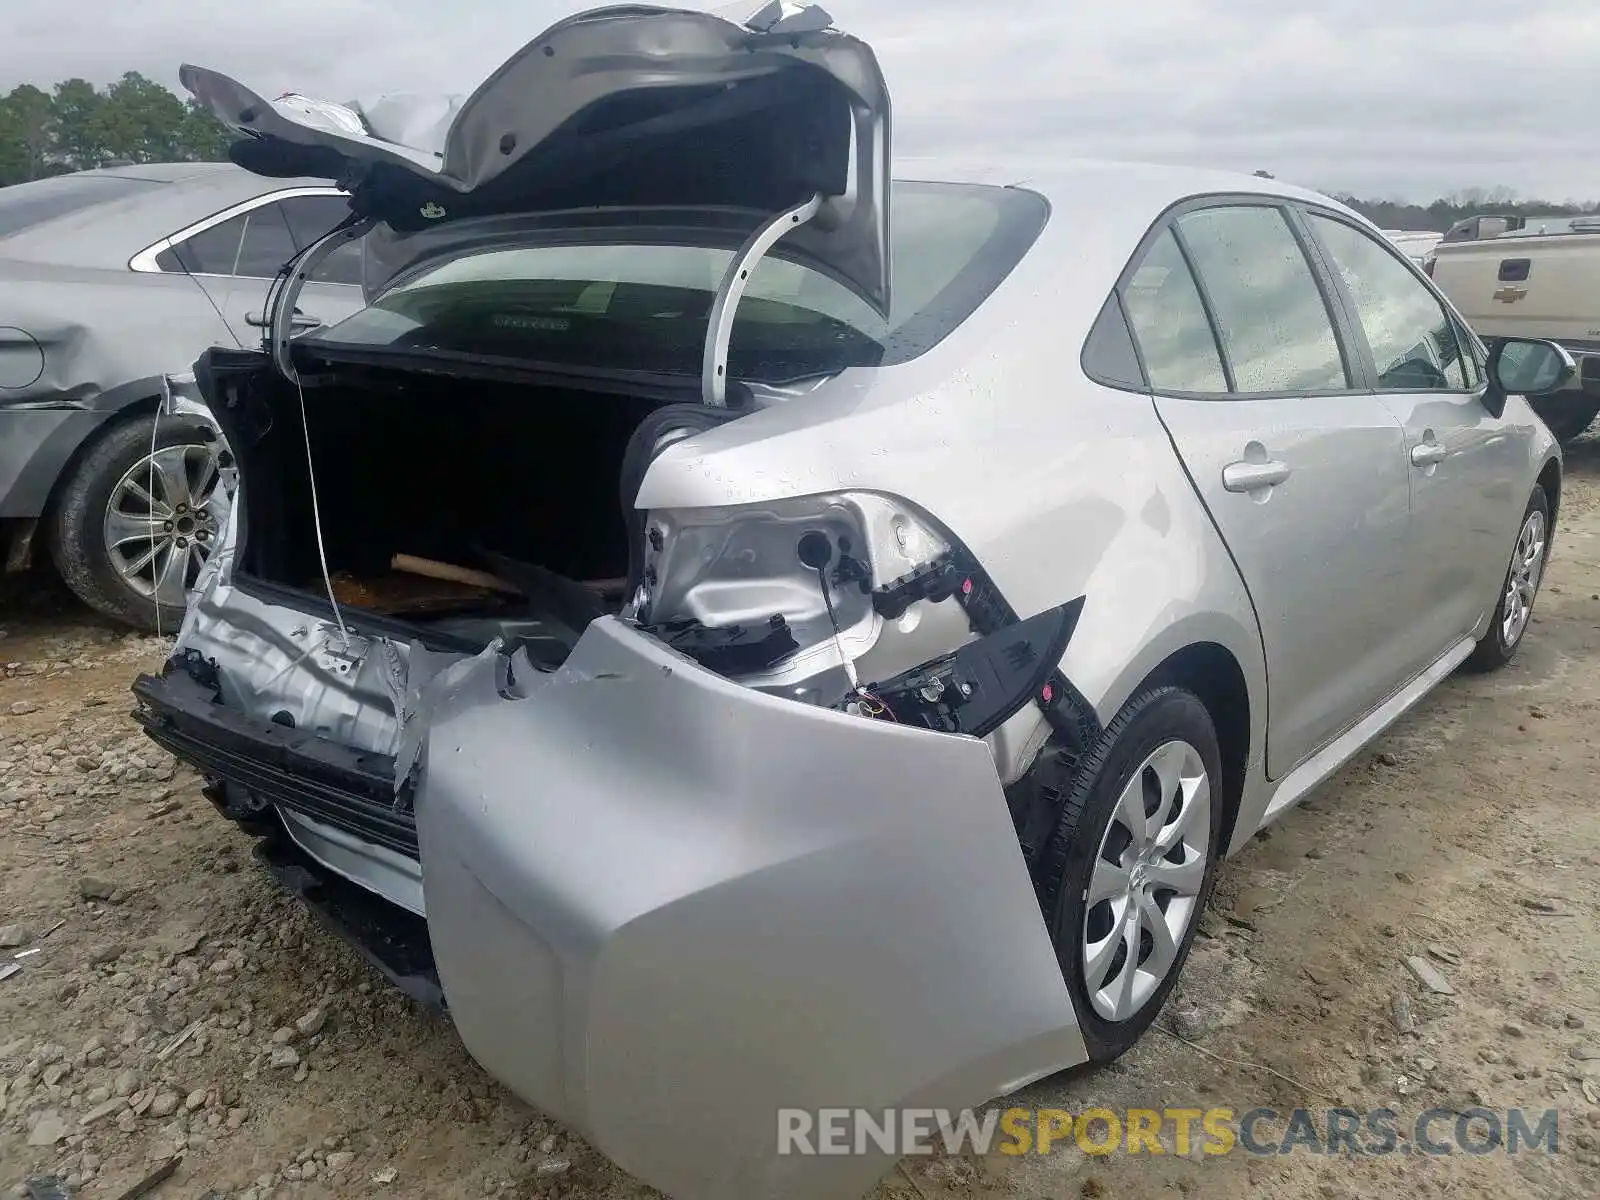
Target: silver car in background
(111, 281)
(863, 612)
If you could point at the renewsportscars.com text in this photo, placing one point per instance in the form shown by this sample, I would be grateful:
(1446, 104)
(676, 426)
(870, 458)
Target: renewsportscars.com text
(1180, 1131)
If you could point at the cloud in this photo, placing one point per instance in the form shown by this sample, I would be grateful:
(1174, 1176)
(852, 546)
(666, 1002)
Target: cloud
(1388, 99)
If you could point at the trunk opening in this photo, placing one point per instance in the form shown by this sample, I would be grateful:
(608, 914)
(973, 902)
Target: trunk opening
(515, 481)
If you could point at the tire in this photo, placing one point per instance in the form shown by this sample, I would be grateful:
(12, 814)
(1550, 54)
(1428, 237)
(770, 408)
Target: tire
(82, 524)
(1500, 641)
(1173, 727)
(1567, 421)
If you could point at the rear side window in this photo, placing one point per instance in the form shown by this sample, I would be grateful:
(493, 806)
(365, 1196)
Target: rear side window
(1277, 334)
(1413, 341)
(267, 243)
(1169, 321)
(256, 244)
(213, 251)
(310, 217)
(24, 205)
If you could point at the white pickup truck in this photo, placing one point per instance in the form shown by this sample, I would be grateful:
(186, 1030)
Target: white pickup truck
(1415, 244)
(1533, 277)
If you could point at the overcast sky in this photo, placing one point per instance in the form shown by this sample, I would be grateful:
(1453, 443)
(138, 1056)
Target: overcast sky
(1385, 98)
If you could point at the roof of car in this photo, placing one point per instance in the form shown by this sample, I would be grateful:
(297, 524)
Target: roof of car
(165, 172)
(1086, 178)
(167, 198)
(1100, 211)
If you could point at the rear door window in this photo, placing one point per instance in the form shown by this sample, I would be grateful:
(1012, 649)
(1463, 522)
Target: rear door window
(1169, 322)
(1276, 330)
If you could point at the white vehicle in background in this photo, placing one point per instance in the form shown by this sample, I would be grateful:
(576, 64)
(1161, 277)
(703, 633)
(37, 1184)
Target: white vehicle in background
(1532, 277)
(1415, 244)
(1493, 225)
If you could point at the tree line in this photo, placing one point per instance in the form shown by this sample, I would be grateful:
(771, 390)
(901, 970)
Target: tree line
(1439, 215)
(1469, 202)
(76, 125)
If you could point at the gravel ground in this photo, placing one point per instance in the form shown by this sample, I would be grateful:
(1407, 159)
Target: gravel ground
(179, 1006)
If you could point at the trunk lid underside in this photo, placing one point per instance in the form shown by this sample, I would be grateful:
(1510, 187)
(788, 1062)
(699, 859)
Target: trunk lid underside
(618, 108)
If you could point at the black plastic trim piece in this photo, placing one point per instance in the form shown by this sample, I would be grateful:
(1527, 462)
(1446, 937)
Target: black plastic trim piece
(1072, 718)
(392, 940)
(276, 764)
(1070, 715)
(983, 684)
(730, 649)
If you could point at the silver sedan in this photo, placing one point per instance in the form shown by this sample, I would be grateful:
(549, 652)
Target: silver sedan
(862, 614)
(110, 282)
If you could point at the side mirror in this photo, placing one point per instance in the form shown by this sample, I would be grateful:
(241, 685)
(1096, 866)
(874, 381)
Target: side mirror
(1526, 367)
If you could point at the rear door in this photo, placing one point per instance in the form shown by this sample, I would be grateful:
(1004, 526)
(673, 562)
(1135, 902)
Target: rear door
(1303, 472)
(1461, 462)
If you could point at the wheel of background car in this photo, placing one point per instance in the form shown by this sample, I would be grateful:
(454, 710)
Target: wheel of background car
(130, 530)
(1565, 420)
(1514, 610)
(1134, 858)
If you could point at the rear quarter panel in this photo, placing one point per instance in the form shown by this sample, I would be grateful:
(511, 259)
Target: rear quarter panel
(101, 329)
(107, 340)
(1059, 486)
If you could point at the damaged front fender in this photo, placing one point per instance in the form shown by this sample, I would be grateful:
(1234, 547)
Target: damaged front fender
(665, 906)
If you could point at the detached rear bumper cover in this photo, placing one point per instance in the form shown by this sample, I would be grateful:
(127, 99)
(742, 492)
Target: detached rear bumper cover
(664, 906)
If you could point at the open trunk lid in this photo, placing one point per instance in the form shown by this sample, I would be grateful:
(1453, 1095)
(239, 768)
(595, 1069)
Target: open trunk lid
(623, 107)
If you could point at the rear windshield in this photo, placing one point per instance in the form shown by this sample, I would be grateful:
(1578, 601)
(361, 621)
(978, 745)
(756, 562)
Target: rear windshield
(645, 307)
(23, 205)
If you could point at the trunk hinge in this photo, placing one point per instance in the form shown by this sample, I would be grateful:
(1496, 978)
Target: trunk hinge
(283, 321)
(714, 364)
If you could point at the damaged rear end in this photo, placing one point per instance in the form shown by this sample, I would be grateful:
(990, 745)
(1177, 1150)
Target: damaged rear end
(729, 841)
(689, 812)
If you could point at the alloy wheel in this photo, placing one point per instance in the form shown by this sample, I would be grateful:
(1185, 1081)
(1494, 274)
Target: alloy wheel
(1522, 580)
(1146, 879)
(164, 518)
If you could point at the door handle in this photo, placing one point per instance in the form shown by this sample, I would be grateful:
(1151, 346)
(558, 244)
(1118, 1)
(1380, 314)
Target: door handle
(298, 321)
(1428, 454)
(1249, 476)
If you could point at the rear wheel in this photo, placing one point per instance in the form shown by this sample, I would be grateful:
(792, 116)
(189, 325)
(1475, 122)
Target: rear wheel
(1135, 856)
(1514, 609)
(130, 528)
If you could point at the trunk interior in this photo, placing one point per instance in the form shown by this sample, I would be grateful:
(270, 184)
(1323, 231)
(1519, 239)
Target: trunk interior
(498, 498)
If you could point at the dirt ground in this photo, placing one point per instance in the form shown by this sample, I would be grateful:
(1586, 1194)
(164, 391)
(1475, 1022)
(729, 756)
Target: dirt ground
(178, 1002)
